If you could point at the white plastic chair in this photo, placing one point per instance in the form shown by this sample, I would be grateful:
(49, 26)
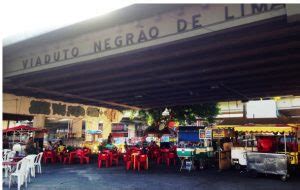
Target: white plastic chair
(17, 147)
(37, 162)
(10, 155)
(31, 167)
(20, 173)
(7, 168)
(5, 151)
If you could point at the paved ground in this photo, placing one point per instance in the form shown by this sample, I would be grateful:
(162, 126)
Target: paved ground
(86, 177)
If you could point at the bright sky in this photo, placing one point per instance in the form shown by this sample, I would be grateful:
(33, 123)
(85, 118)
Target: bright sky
(22, 19)
(28, 18)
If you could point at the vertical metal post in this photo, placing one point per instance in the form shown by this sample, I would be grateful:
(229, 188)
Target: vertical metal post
(284, 143)
(13, 138)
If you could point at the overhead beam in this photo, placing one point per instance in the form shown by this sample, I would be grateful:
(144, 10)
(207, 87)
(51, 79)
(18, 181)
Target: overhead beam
(198, 75)
(74, 96)
(173, 102)
(248, 89)
(118, 79)
(106, 65)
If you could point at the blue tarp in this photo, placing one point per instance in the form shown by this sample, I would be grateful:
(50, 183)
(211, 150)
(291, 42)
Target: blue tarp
(190, 133)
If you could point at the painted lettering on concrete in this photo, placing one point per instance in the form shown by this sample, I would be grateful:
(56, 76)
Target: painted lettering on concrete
(59, 109)
(39, 107)
(76, 111)
(149, 33)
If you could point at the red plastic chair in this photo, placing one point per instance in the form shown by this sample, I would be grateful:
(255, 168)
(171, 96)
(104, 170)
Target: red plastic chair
(142, 161)
(157, 156)
(49, 155)
(128, 160)
(171, 156)
(72, 156)
(128, 164)
(115, 158)
(67, 159)
(103, 157)
(82, 156)
(87, 151)
(126, 157)
(61, 156)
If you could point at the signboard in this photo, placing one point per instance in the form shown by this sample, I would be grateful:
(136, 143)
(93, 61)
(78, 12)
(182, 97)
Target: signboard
(188, 165)
(119, 127)
(205, 133)
(119, 130)
(94, 132)
(201, 134)
(208, 133)
(189, 21)
(165, 138)
(119, 141)
(218, 133)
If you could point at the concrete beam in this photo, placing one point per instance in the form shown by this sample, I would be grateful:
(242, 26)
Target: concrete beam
(293, 12)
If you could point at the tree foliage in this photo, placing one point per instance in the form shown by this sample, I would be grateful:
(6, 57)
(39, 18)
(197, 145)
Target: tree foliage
(185, 115)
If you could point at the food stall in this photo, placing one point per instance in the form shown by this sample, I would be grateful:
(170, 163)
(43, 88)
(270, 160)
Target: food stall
(273, 155)
(152, 134)
(119, 132)
(20, 135)
(195, 145)
(222, 138)
(96, 139)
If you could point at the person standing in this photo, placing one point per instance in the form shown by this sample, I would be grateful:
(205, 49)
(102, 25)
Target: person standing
(144, 146)
(30, 149)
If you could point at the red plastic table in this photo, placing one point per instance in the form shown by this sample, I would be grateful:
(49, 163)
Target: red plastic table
(12, 164)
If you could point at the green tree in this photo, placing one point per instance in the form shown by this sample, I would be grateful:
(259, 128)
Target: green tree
(182, 114)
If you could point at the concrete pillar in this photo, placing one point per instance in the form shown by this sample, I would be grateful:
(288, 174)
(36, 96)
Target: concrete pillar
(244, 110)
(77, 127)
(106, 130)
(39, 121)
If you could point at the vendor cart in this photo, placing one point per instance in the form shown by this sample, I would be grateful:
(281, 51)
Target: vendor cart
(238, 154)
(268, 159)
(204, 155)
(268, 163)
(186, 156)
(195, 147)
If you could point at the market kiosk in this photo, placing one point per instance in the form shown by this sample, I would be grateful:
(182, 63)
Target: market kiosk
(222, 138)
(272, 153)
(18, 136)
(194, 145)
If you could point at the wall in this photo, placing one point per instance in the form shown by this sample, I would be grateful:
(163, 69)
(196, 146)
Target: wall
(235, 108)
(42, 108)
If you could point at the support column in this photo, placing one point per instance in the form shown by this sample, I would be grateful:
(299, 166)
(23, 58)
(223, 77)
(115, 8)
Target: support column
(39, 121)
(42, 138)
(77, 127)
(106, 130)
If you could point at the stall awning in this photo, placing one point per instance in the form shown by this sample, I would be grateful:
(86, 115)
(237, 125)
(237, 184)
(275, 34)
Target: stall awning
(265, 129)
(260, 128)
(225, 126)
(20, 128)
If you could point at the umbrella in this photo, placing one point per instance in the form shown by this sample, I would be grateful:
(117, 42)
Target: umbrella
(20, 128)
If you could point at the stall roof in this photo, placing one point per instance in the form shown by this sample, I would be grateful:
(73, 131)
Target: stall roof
(20, 128)
(260, 128)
